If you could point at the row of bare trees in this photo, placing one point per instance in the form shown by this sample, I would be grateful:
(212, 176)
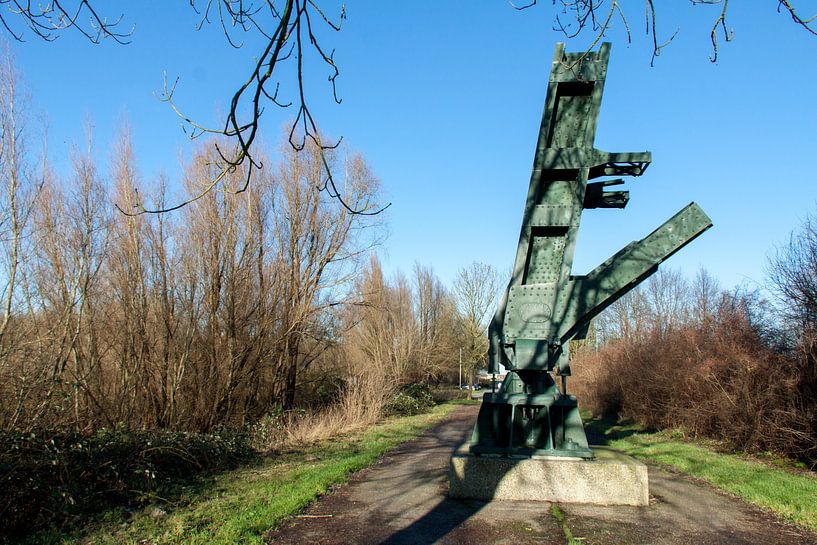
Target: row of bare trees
(416, 328)
(231, 308)
(185, 321)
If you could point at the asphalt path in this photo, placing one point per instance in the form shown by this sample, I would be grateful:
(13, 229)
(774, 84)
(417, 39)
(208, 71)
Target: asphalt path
(402, 499)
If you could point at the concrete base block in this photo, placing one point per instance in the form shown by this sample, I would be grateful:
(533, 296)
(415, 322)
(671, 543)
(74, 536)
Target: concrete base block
(612, 478)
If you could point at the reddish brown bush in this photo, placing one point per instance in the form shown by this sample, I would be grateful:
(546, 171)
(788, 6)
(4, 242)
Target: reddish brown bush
(719, 379)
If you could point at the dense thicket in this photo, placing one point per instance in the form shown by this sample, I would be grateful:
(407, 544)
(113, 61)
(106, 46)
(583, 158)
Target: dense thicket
(716, 364)
(231, 309)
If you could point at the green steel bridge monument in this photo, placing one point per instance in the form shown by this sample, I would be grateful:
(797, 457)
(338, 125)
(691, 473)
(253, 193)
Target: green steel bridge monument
(532, 415)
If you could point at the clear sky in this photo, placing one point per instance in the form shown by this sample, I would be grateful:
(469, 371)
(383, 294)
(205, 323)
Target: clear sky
(444, 98)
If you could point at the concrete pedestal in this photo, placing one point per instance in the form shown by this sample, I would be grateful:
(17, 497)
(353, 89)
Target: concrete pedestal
(610, 479)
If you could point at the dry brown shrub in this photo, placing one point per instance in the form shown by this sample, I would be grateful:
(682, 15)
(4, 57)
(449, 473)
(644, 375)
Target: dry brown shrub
(359, 406)
(718, 380)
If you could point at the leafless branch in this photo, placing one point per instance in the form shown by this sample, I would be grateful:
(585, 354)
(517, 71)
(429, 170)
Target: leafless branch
(727, 34)
(805, 23)
(290, 35)
(520, 8)
(47, 19)
(575, 17)
(650, 17)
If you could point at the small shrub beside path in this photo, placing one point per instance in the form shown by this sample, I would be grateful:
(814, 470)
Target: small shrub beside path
(241, 505)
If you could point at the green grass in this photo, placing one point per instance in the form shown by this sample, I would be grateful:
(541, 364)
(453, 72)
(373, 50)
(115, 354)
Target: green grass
(791, 495)
(465, 402)
(240, 506)
(562, 521)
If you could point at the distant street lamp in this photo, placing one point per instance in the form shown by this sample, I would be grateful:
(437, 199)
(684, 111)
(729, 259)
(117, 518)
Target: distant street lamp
(460, 368)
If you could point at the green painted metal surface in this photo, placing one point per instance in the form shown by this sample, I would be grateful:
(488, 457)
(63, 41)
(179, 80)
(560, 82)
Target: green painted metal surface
(545, 306)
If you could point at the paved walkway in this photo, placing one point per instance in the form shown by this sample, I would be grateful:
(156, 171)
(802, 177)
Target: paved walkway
(402, 500)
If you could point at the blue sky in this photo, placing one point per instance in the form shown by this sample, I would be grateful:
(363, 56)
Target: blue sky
(445, 100)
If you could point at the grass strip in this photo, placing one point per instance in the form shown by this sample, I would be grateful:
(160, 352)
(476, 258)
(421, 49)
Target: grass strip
(560, 517)
(242, 505)
(465, 401)
(793, 496)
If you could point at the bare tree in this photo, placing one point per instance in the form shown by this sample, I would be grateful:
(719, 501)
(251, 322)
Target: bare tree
(72, 237)
(627, 318)
(476, 288)
(435, 312)
(383, 333)
(20, 184)
(706, 294)
(792, 270)
(404, 329)
(668, 295)
(316, 241)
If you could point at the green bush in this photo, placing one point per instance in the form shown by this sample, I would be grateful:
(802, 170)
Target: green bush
(410, 400)
(50, 479)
